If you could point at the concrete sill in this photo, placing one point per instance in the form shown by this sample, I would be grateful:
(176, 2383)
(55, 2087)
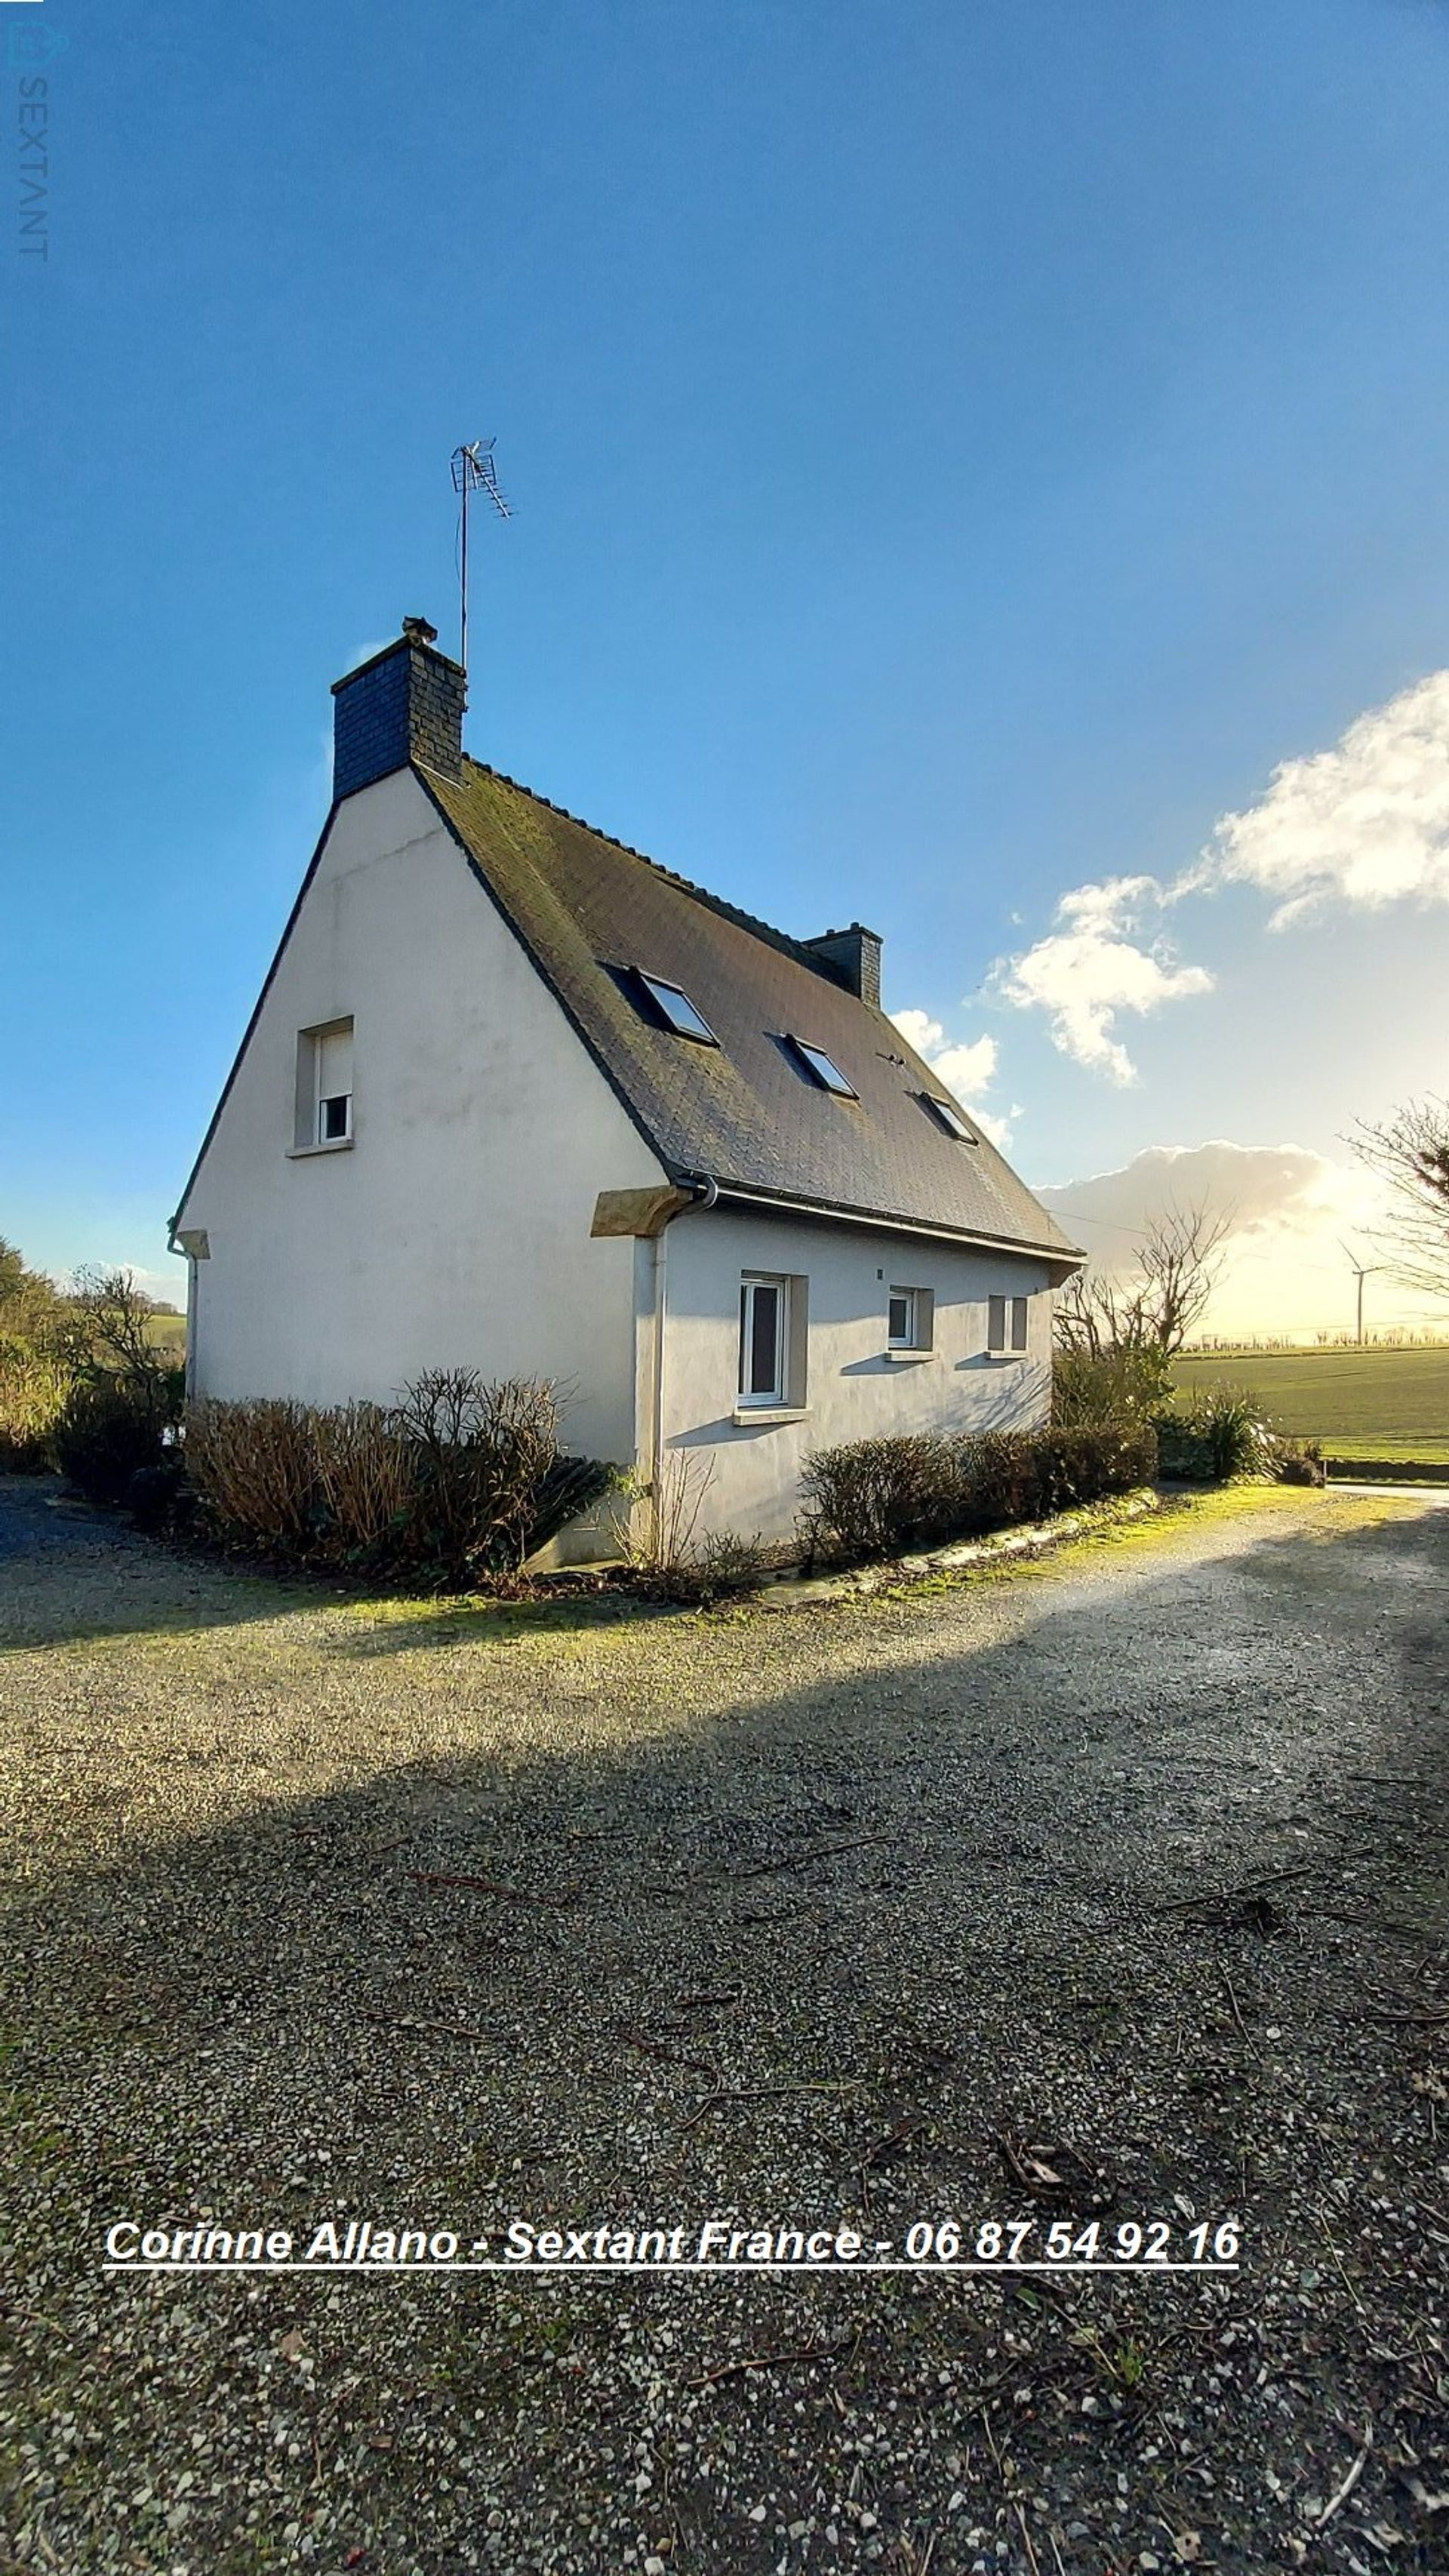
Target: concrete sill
(304, 1153)
(748, 1414)
(909, 1358)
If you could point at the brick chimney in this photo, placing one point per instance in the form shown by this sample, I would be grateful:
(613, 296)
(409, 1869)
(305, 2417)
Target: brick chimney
(852, 958)
(406, 704)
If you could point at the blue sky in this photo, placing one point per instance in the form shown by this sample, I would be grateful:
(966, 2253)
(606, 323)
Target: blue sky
(959, 454)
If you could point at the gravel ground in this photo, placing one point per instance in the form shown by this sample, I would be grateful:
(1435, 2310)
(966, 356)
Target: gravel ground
(1113, 1887)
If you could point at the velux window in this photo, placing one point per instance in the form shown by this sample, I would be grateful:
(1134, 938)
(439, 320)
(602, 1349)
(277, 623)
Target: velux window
(764, 1336)
(824, 1069)
(677, 1010)
(324, 1085)
(947, 1115)
(1003, 1313)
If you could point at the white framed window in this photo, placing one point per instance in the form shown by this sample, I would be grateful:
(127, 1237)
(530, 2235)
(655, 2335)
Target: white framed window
(1006, 1324)
(764, 1339)
(901, 1319)
(910, 1319)
(324, 1086)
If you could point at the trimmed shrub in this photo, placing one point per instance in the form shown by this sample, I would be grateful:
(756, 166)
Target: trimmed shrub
(460, 1482)
(885, 1497)
(255, 1467)
(363, 1481)
(875, 1497)
(479, 1455)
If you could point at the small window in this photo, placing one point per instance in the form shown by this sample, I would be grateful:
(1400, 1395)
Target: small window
(1002, 1312)
(677, 1010)
(910, 1314)
(824, 1069)
(324, 1085)
(764, 1338)
(947, 1115)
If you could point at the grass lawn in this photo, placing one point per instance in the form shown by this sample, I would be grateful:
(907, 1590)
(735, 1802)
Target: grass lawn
(1360, 1404)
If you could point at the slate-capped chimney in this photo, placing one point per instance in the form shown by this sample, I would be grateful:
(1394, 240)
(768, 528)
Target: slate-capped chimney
(405, 704)
(852, 958)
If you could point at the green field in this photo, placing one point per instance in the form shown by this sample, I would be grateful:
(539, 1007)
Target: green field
(1360, 1404)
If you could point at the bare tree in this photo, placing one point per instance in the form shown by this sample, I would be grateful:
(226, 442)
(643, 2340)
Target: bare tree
(1156, 1305)
(116, 1315)
(1410, 1153)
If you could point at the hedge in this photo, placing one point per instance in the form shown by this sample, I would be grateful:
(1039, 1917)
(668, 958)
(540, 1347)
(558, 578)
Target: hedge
(880, 1497)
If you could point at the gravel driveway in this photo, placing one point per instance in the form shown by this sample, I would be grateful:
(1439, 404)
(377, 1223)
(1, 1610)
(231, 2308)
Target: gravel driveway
(1111, 1889)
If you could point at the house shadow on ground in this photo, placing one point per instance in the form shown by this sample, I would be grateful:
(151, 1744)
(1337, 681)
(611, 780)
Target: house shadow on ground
(801, 1923)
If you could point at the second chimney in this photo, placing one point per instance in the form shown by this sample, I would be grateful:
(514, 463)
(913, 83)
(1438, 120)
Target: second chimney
(852, 958)
(404, 705)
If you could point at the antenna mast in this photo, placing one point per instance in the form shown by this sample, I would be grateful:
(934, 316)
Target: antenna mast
(473, 471)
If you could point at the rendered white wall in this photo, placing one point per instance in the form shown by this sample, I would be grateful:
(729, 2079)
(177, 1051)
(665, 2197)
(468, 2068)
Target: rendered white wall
(455, 1231)
(853, 1391)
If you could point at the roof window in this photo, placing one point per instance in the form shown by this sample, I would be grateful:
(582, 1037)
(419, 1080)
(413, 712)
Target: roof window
(948, 1116)
(677, 1010)
(824, 1069)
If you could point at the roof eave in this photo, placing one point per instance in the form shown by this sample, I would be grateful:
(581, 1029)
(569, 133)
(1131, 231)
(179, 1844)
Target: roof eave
(891, 1221)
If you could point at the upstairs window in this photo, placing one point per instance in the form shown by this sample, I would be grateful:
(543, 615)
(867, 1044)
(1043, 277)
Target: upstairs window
(947, 1115)
(1006, 1316)
(324, 1085)
(824, 1069)
(677, 1010)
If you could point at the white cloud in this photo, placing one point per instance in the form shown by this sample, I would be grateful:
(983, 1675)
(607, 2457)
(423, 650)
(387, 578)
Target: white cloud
(967, 1070)
(1288, 1211)
(1250, 1185)
(1367, 823)
(1088, 970)
(1364, 824)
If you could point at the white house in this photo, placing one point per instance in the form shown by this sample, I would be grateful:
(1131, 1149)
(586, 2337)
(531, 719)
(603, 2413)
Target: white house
(516, 1098)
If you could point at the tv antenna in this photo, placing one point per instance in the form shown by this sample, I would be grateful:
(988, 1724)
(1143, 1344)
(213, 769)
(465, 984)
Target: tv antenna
(1361, 1270)
(473, 471)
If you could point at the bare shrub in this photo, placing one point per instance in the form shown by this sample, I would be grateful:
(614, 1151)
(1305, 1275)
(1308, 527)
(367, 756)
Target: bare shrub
(671, 1515)
(364, 1477)
(459, 1482)
(480, 1455)
(255, 1467)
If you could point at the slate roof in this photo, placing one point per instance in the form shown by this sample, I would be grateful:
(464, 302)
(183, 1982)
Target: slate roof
(590, 912)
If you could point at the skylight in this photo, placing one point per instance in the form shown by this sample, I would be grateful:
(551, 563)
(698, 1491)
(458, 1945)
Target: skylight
(950, 1117)
(678, 1010)
(825, 1070)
